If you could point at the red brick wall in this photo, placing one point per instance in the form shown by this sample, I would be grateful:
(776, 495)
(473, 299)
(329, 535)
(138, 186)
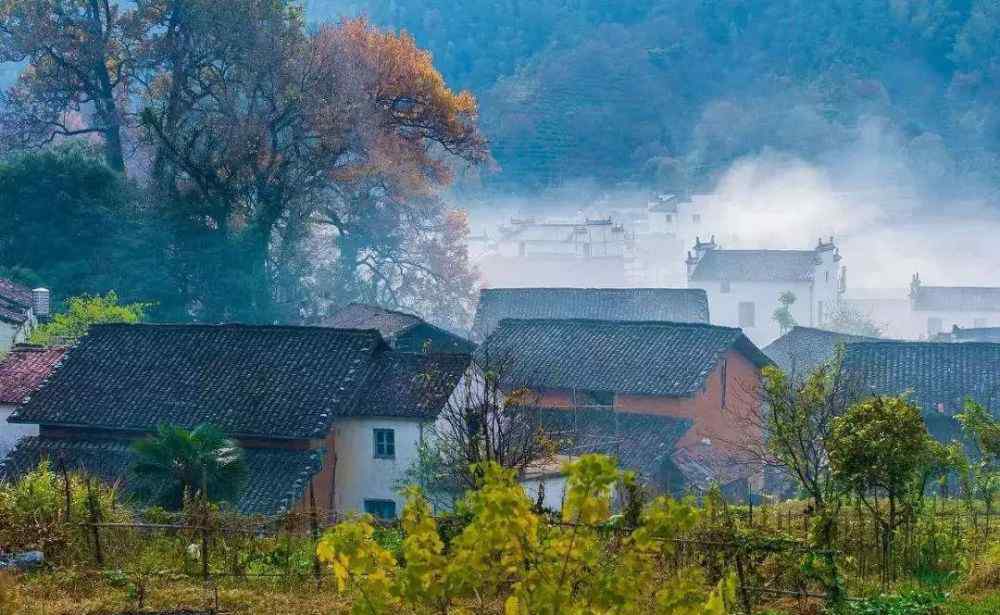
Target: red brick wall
(711, 420)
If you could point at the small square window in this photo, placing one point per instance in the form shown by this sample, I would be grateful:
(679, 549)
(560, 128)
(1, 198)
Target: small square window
(381, 509)
(696, 218)
(385, 444)
(670, 218)
(724, 286)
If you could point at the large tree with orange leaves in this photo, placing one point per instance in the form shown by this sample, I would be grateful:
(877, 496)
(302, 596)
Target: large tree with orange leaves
(292, 168)
(347, 128)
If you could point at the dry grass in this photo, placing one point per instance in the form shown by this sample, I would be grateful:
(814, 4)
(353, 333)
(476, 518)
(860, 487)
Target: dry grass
(69, 592)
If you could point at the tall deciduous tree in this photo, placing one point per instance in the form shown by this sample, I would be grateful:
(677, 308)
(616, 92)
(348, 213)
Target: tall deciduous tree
(78, 75)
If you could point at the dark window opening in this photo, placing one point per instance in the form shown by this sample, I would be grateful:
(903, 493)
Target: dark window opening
(385, 444)
(724, 286)
(381, 509)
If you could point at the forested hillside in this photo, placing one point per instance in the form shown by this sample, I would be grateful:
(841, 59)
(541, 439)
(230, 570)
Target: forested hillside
(668, 92)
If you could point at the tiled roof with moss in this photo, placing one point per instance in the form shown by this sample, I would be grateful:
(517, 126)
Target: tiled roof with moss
(267, 381)
(642, 358)
(633, 304)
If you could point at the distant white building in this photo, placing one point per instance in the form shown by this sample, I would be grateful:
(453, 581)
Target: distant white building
(938, 309)
(529, 252)
(743, 286)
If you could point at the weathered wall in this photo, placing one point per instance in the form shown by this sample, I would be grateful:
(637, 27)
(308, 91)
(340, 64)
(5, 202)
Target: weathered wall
(722, 426)
(359, 475)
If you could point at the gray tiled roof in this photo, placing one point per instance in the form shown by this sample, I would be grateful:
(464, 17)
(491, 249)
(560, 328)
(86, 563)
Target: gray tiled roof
(934, 373)
(274, 382)
(643, 358)
(404, 332)
(756, 266)
(410, 385)
(643, 443)
(15, 301)
(364, 316)
(645, 304)
(276, 478)
(956, 298)
(804, 348)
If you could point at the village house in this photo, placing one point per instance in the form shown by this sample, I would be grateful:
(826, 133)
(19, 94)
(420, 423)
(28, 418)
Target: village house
(744, 286)
(336, 410)
(20, 310)
(629, 304)
(22, 371)
(702, 374)
(803, 349)
(403, 332)
(530, 252)
(939, 377)
(936, 309)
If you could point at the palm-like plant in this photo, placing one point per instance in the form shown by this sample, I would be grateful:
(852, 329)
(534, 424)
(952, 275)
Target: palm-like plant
(175, 463)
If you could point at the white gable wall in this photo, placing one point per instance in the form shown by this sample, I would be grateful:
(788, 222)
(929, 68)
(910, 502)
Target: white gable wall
(724, 307)
(360, 475)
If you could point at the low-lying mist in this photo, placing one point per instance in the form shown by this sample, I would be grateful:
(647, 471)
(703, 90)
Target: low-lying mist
(895, 207)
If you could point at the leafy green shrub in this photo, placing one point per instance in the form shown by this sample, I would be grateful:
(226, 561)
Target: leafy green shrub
(508, 555)
(906, 603)
(33, 511)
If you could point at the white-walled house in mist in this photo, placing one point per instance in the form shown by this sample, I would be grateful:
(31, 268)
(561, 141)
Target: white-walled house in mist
(938, 309)
(532, 252)
(744, 286)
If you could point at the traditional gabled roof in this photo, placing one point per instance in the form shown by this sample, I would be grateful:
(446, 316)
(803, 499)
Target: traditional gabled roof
(804, 348)
(955, 298)
(642, 443)
(939, 376)
(638, 304)
(15, 302)
(405, 332)
(643, 358)
(276, 478)
(756, 266)
(24, 369)
(266, 381)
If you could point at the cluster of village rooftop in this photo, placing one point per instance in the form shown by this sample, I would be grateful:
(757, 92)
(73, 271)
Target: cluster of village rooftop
(662, 378)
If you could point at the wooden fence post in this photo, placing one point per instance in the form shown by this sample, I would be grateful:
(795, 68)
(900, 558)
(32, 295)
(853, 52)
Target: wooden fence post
(314, 530)
(95, 518)
(67, 494)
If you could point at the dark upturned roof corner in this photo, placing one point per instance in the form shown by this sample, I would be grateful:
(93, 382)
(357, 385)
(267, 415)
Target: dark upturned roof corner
(631, 304)
(644, 358)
